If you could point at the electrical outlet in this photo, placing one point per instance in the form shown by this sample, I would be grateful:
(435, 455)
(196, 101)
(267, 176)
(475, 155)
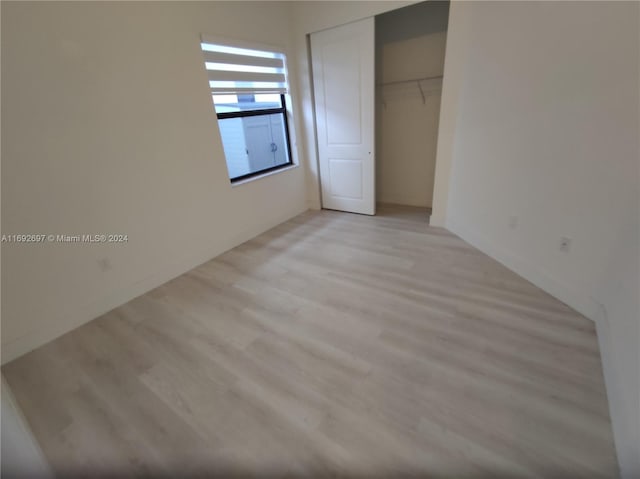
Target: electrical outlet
(513, 222)
(565, 244)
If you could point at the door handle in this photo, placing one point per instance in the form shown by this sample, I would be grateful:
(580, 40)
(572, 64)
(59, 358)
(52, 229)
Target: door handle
(274, 147)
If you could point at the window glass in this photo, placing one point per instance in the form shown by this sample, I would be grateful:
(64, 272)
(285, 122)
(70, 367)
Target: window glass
(254, 143)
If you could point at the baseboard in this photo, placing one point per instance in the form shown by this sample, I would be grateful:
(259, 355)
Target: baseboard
(313, 205)
(581, 302)
(402, 200)
(90, 310)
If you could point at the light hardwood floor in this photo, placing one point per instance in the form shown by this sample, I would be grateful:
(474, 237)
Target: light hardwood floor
(332, 345)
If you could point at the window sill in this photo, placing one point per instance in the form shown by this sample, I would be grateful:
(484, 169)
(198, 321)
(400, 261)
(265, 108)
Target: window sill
(264, 175)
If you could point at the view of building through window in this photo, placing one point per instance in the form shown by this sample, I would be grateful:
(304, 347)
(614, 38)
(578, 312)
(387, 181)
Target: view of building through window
(248, 89)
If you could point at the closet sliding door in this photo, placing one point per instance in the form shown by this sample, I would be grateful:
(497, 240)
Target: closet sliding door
(344, 88)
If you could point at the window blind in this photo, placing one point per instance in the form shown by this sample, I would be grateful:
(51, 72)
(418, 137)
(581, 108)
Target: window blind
(235, 70)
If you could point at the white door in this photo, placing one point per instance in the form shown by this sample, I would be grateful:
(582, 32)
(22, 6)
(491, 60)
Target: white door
(344, 85)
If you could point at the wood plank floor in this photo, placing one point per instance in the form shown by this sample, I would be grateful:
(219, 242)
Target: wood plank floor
(334, 345)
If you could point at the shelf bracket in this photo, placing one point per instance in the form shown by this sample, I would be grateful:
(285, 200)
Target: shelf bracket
(424, 101)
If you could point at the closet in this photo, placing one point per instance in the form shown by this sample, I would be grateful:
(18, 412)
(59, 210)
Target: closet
(377, 85)
(409, 49)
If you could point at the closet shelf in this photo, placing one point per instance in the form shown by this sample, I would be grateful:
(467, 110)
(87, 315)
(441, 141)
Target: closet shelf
(413, 80)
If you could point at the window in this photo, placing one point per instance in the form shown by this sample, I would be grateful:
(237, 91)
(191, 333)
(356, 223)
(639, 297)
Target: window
(249, 89)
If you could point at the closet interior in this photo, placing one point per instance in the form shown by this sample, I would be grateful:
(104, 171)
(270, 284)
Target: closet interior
(409, 50)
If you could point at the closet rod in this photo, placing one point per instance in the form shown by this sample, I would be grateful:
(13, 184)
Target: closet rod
(414, 80)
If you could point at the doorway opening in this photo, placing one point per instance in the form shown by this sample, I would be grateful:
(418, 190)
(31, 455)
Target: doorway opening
(410, 52)
(377, 85)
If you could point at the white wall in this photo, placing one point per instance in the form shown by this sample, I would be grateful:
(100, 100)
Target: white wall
(108, 127)
(455, 61)
(309, 17)
(543, 115)
(410, 43)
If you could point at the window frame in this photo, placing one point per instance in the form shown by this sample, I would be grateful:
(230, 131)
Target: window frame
(259, 112)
